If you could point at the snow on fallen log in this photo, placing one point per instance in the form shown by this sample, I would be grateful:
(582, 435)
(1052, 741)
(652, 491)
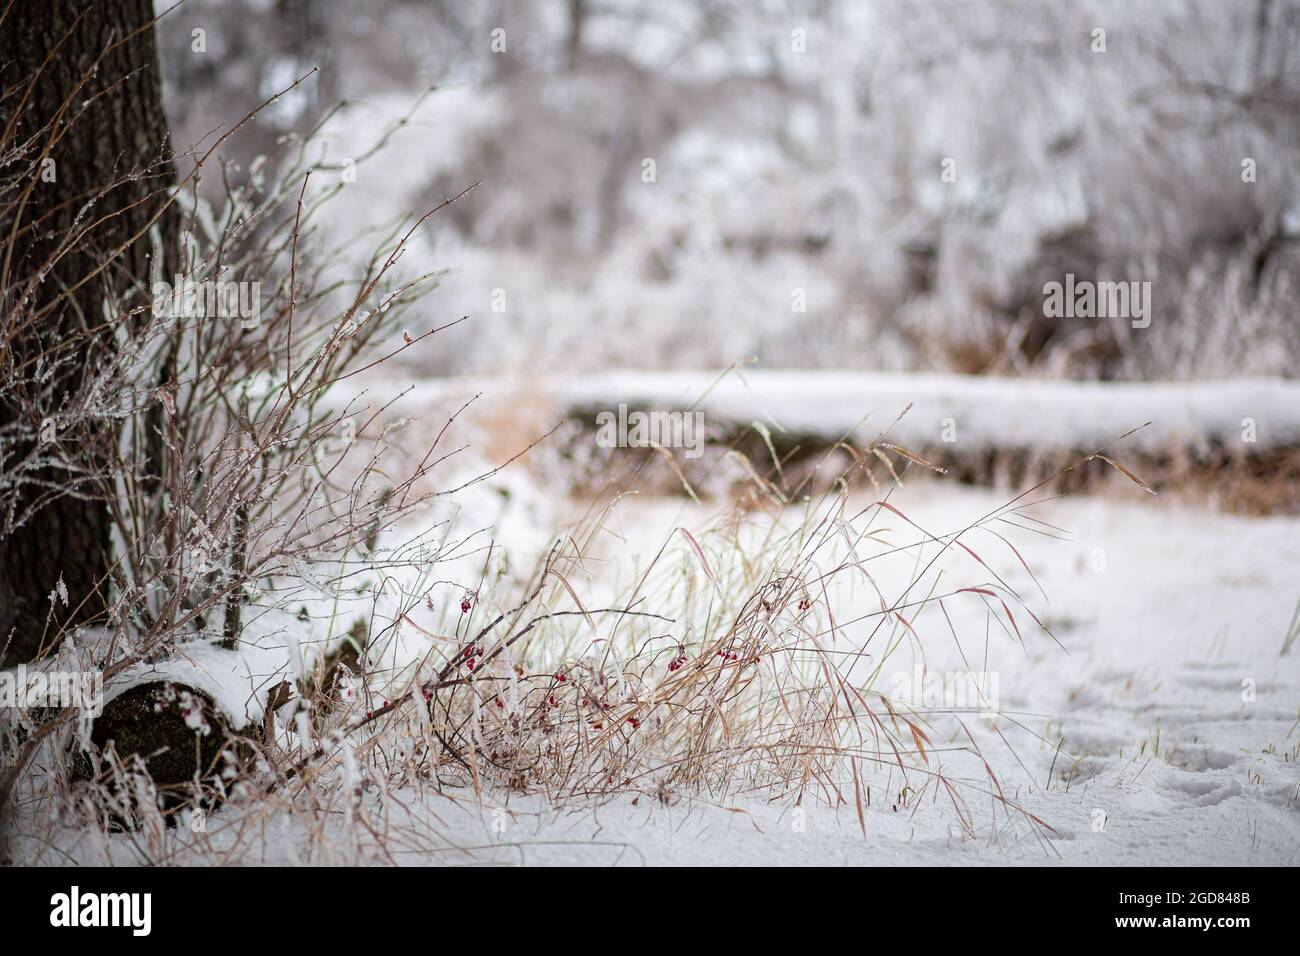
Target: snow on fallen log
(980, 412)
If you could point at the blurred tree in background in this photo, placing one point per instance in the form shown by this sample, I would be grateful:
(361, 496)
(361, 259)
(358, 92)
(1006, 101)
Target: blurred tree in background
(798, 148)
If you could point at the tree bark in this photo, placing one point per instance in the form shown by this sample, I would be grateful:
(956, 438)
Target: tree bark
(81, 87)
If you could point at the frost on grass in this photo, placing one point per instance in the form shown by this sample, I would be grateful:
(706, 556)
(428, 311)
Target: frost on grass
(720, 667)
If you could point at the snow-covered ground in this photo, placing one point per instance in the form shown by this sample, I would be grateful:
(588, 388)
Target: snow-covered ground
(1174, 710)
(1157, 723)
(1162, 729)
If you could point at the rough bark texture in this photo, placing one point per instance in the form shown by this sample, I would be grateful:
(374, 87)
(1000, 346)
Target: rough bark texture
(98, 98)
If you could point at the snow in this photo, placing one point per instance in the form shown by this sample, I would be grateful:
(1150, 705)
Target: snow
(1171, 629)
(1158, 723)
(236, 681)
(986, 411)
(1161, 730)
(812, 167)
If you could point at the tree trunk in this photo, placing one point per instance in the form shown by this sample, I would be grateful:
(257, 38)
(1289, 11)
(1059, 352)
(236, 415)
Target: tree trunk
(82, 89)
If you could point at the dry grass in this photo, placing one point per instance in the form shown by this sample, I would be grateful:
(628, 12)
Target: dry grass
(720, 670)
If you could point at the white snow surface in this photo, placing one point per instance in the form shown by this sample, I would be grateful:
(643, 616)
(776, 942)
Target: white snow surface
(1162, 729)
(1159, 724)
(985, 411)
